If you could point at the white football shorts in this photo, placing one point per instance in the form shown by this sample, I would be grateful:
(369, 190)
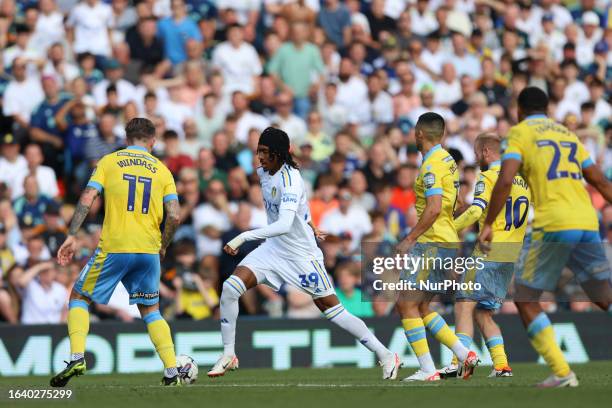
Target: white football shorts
(272, 270)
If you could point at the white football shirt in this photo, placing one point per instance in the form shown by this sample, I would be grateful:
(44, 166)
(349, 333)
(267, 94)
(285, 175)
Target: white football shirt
(285, 190)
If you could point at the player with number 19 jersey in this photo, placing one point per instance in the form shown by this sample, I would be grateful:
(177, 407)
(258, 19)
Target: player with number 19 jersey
(552, 159)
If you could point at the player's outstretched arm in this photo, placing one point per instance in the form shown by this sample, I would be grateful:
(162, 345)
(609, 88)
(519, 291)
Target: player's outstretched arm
(279, 227)
(429, 216)
(66, 251)
(596, 178)
(172, 210)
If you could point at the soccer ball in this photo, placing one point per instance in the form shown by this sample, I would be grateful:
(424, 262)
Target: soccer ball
(187, 368)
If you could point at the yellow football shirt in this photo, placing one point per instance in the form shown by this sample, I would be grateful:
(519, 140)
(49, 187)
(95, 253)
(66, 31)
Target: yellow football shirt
(511, 223)
(552, 159)
(135, 185)
(438, 176)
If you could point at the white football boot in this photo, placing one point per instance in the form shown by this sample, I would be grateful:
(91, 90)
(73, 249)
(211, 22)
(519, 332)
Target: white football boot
(390, 366)
(553, 381)
(450, 371)
(423, 376)
(504, 372)
(223, 365)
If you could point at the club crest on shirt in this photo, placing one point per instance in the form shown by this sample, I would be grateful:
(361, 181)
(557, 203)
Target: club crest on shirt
(480, 188)
(273, 192)
(429, 179)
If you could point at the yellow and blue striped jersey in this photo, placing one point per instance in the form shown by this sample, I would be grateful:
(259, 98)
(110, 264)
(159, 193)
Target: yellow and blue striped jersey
(552, 159)
(438, 176)
(135, 185)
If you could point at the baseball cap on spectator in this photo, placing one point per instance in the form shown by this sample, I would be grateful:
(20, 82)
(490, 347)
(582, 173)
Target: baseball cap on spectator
(9, 139)
(405, 125)
(389, 43)
(601, 47)
(590, 18)
(548, 17)
(53, 209)
(22, 29)
(112, 64)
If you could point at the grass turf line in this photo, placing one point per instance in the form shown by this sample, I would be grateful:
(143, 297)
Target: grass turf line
(343, 387)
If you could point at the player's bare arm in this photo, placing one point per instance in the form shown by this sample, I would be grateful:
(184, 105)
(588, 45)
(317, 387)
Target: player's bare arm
(66, 251)
(429, 216)
(172, 210)
(596, 178)
(501, 190)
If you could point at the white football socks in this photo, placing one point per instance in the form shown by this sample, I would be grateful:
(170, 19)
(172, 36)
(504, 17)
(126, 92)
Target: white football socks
(233, 288)
(340, 316)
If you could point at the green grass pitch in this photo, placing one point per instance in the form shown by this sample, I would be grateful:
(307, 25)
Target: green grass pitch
(333, 387)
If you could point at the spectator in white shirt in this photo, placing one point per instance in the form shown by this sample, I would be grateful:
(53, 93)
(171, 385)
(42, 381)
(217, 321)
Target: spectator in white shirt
(45, 176)
(448, 88)
(551, 36)
(246, 120)
(603, 110)
(114, 76)
(89, 27)
(22, 48)
(381, 106)
(49, 27)
(238, 61)
(211, 220)
(575, 90)
(58, 67)
(285, 119)
(423, 20)
(22, 95)
(352, 92)
(433, 56)
(44, 299)
(13, 166)
(464, 62)
(347, 217)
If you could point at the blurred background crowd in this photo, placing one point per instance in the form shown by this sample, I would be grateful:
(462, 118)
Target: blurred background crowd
(345, 79)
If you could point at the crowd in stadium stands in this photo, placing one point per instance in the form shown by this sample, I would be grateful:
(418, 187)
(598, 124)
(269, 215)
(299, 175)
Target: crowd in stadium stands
(345, 79)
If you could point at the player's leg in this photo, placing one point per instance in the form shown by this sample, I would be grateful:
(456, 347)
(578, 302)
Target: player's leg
(438, 327)
(592, 269)
(542, 337)
(407, 307)
(91, 284)
(78, 328)
(234, 287)
(494, 341)
(464, 329)
(141, 280)
(544, 257)
(161, 337)
(333, 310)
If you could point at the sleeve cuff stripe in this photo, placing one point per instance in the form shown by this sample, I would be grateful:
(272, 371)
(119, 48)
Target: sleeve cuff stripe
(433, 191)
(480, 203)
(587, 163)
(169, 197)
(96, 185)
(512, 155)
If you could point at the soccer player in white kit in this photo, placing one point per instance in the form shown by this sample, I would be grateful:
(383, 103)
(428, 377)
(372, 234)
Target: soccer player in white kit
(289, 255)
